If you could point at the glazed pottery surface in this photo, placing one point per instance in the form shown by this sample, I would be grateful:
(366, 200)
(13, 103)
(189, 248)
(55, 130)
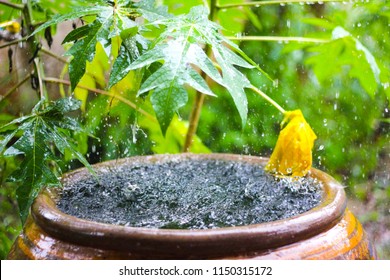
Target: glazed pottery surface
(328, 231)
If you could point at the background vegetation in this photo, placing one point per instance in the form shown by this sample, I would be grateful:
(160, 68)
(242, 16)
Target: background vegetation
(329, 59)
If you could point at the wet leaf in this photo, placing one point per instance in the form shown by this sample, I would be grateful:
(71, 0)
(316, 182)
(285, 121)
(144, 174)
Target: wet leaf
(110, 21)
(179, 49)
(345, 50)
(292, 155)
(76, 34)
(234, 80)
(76, 13)
(41, 132)
(84, 50)
(130, 49)
(150, 12)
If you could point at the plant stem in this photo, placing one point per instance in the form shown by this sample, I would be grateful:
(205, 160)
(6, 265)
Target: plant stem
(274, 2)
(15, 87)
(41, 77)
(206, 3)
(13, 42)
(33, 49)
(50, 53)
(194, 119)
(199, 97)
(278, 38)
(269, 99)
(12, 5)
(99, 91)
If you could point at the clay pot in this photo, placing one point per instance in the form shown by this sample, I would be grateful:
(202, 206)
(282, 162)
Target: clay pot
(328, 231)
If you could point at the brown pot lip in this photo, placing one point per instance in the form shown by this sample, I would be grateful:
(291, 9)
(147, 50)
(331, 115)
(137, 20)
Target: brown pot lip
(256, 236)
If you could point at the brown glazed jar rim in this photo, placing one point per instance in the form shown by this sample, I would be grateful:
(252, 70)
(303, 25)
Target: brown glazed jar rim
(194, 243)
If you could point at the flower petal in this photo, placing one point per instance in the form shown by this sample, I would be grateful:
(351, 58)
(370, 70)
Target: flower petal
(292, 154)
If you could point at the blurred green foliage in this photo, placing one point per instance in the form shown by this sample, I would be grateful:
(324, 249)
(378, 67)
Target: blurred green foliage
(341, 82)
(344, 100)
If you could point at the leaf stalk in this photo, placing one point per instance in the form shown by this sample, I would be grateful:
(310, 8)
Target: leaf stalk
(279, 39)
(15, 87)
(269, 99)
(50, 53)
(12, 5)
(13, 42)
(271, 2)
(99, 91)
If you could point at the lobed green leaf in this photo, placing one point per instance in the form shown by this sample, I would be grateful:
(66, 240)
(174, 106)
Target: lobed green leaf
(45, 128)
(76, 13)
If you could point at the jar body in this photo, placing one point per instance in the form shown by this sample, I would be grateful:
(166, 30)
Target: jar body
(329, 231)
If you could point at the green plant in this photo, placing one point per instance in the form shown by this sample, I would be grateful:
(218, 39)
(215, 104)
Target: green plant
(161, 66)
(142, 75)
(41, 134)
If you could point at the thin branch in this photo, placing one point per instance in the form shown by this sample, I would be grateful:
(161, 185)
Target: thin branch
(12, 5)
(13, 42)
(50, 53)
(279, 39)
(15, 87)
(266, 97)
(274, 2)
(103, 92)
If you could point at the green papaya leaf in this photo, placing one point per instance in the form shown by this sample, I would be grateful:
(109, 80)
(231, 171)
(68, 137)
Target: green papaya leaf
(179, 49)
(345, 50)
(76, 13)
(129, 51)
(76, 34)
(46, 128)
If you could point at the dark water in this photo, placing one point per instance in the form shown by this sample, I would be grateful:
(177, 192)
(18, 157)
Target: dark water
(196, 194)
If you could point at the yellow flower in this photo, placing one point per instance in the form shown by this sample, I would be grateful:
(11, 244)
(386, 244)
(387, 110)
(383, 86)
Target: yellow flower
(11, 26)
(292, 153)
